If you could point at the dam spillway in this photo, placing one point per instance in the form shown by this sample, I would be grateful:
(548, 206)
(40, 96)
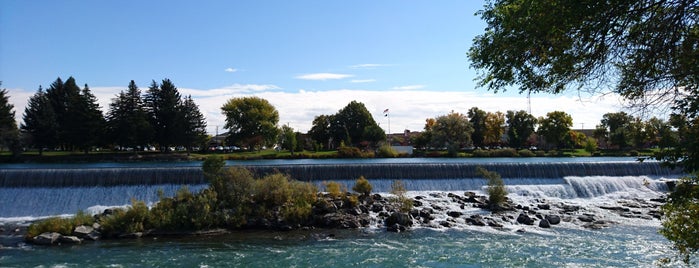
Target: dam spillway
(87, 177)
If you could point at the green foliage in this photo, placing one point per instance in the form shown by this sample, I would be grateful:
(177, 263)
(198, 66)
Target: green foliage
(127, 119)
(39, 121)
(334, 189)
(680, 224)
(212, 166)
(349, 152)
(590, 145)
(497, 194)
(401, 201)
(362, 186)
(125, 221)
(520, 127)
(9, 133)
(452, 131)
(287, 139)
(64, 226)
(251, 121)
(554, 127)
(526, 153)
(387, 151)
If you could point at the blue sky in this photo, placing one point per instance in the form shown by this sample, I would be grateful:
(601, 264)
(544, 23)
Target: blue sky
(306, 57)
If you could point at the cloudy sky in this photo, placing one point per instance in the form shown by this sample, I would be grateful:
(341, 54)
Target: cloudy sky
(306, 57)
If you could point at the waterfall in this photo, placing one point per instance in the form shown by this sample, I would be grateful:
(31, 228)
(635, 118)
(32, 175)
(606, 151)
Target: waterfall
(56, 177)
(54, 191)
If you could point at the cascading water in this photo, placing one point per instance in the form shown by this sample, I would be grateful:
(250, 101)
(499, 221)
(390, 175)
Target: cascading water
(54, 191)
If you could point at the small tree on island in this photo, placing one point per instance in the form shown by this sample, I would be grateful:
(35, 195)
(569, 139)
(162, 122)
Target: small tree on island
(362, 186)
(497, 194)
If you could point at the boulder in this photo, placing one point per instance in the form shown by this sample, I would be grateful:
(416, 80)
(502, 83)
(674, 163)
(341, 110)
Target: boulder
(586, 218)
(544, 224)
(475, 220)
(340, 221)
(46, 238)
(525, 219)
(400, 219)
(544, 206)
(87, 232)
(454, 214)
(553, 219)
(69, 239)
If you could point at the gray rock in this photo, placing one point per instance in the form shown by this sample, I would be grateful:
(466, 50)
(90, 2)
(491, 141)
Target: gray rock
(544, 224)
(553, 219)
(399, 218)
(47, 238)
(525, 219)
(454, 214)
(586, 218)
(69, 239)
(544, 206)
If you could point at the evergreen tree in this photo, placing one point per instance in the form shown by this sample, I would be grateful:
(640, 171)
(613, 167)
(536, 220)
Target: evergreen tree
(39, 121)
(128, 124)
(87, 122)
(9, 134)
(163, 104)
(194, 125)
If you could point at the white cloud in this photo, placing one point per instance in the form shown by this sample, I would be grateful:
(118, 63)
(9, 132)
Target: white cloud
(323, 76)
(363, 80)
(409, 109)
(410, 87)
(231, 70)
(368, 66)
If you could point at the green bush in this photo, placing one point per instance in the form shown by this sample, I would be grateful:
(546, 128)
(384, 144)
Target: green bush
(387, 151)
(401, 201)
(64, 226)
(505, 152)
(526, 153)
(124, 221)
(497, 194)
(362, 186)
(349, 152)
(334, 189)
(480, 153)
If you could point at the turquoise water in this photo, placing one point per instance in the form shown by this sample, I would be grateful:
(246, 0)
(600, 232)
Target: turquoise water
(618, 246)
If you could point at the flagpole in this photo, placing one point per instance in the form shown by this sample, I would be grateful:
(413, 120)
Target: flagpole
(388, 116)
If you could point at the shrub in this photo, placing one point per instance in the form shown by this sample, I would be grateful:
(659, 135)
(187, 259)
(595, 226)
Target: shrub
(526, 153)
(362, 186)
(212, 165)
(506, 152)
(497, 194)
(334, 189)
(401, 201)
(349, 152)
(387, 151)
(129, 220)
(480, 153)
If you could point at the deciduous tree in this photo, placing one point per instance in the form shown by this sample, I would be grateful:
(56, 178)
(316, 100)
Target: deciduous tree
(251, 121)
(554, 127)
(521, 125)
(452, 131)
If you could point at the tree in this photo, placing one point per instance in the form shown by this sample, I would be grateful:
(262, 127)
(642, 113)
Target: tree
(39, 121)
(320, 131)
(554, 127)
(617, 128)
(452, 131)
(648, 51)
(287, 139)
(354, 124)
(521, 125)
(9, 134)
(477, 118)
(86, 129)
(194, 125)
(494, 128)
(251, 121)
(163, 104)
(127, 121)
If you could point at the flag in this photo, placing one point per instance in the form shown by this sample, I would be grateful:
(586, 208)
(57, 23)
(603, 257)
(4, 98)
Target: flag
(385, 111)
